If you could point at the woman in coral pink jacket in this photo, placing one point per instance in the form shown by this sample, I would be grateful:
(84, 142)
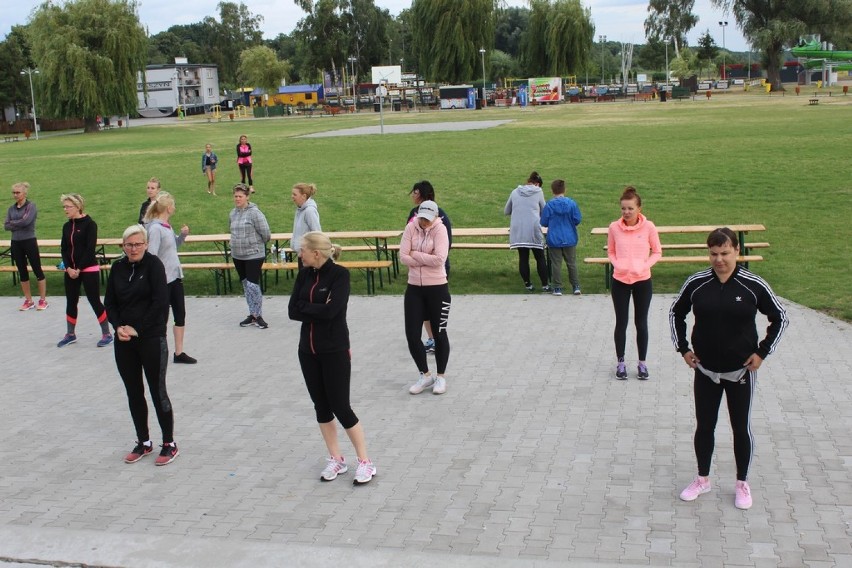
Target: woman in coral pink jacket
(633, 247)
(424, 250)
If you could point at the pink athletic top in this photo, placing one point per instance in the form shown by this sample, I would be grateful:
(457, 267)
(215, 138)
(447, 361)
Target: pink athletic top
(632, 251)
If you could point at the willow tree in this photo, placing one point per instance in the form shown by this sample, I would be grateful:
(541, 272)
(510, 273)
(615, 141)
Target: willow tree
(670, 19)
(773, 26)
(261, 68)
(448, 35)
(559, 38)
(90, 54)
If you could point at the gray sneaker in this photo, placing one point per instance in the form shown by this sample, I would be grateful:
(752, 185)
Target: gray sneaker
(422, 384)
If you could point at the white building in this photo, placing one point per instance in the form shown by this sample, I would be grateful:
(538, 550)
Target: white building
(194, 88)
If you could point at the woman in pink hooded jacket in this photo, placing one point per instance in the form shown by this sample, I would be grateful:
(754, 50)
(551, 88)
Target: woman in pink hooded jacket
(633, 247)
(424, 250)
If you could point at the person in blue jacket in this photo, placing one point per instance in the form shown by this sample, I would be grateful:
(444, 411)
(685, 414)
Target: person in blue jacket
(209, 159)
(561, 216)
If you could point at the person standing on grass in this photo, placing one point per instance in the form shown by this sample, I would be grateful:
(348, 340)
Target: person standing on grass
(21, 221)
(152, 188)
(561, 216)
(424, 250)
(633, 247)
(307, 216)
(163, 243)
(78, 246)
(725, 354)
(319, 300)
(524, 206)
(137, 299)
(244, 162)
(249, 235)
(423, 191)
(208, 167)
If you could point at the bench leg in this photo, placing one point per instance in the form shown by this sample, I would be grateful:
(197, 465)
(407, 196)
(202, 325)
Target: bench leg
(371, 285)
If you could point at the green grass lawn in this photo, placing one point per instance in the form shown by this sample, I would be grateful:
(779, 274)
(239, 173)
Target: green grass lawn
(738, 158)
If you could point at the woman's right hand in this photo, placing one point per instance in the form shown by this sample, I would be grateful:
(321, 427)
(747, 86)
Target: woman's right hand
(72, 273)
(691, 360)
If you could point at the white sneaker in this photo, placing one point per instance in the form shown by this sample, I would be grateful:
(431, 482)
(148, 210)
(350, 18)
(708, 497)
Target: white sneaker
(333, 468)
(423, 383)
(440, 386)
(365, 472)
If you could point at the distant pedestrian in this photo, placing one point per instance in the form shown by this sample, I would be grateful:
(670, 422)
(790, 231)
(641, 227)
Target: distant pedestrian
(21, 221)
(423, 191)
(137, 300)
(152, 189)
(163, 243)
(424, 250)
(725, 353)
(249, 235)
(245, 162)
(525, 205)
(319, 300)
(79, 247)
(306, 218)
(561, 216)
(209, 160)
(633, 247)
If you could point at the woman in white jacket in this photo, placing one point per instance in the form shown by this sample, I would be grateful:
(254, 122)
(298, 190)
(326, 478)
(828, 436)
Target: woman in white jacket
(424, 250)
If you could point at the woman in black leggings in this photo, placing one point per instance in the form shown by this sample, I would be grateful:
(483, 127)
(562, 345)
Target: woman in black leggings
(137, 299)
(79, 242)
(424, 250)
(524, 206)
(21, 220)
(319, 300)
(633, 247)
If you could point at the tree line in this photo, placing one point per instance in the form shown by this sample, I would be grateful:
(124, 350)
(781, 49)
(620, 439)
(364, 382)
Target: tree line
(90, 51)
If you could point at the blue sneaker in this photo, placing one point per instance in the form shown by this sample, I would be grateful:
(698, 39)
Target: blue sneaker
(67, 340)
(429, 346)
(557, 291)
(105, 340)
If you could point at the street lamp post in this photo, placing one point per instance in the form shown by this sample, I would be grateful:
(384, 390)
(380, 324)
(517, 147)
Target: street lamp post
(482, 54)
(724, 25)
(29, 71)
(667, 64)
(352, 60)
(602, 40)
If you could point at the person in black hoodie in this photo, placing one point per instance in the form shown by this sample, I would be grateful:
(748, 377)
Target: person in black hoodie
(725, 353)
(79, 241)
(319, 300)
(137, 299)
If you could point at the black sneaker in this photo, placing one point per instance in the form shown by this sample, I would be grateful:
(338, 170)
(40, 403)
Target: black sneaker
(137, 453)
(258, 321)
(184, 358)
(167, 454)
(250, 320)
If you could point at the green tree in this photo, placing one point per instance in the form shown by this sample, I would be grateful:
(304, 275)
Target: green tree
(652, 55)
(510, 25)
(447, 36)
(261, 68)
(672, 19)
(502, 66)
(14, 56)
(558, 39)
(707, 51)
(90, 54)
(773, 26)
(685, 65)
(237, 30)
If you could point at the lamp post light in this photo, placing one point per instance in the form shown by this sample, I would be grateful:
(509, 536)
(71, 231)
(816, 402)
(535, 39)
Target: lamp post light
(667, 63)
(29, 71)
(482, 54)
(602, 40)
(724, 25)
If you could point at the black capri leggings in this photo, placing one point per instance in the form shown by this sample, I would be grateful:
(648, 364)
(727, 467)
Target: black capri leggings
(708, 397)
(540, 264)
(21, 252)
(249, 269)
(177, 301)
(245, 171)
(90, 281)
(327, 377)
(641, 292)
(430, 303)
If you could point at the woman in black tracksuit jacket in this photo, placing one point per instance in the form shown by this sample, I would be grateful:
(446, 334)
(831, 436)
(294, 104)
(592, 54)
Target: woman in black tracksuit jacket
(319, 300)
(137, 300)
(725, 352)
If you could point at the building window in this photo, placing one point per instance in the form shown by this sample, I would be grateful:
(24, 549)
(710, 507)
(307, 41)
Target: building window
(309, 96)
(209, 91)
(209, 73)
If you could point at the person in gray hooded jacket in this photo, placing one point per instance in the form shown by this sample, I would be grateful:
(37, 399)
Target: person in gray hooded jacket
(249, 235)
(525, 205)
(306, 218)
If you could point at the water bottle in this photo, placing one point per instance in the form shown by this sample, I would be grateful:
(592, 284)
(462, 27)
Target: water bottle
(283, 257)
(273, 254)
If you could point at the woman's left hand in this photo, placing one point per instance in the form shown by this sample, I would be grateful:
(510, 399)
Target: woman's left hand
(184, 230)
(753, 362)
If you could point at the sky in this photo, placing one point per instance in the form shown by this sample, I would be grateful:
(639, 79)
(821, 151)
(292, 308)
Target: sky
(618, 20)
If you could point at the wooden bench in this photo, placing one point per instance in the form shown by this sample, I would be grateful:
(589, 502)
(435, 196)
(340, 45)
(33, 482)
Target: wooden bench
(813, 101)
(643, 97)
(741, 230)
(11, 138)
(332, 110)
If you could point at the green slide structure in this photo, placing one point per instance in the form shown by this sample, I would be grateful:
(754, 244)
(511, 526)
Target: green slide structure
(814, 51)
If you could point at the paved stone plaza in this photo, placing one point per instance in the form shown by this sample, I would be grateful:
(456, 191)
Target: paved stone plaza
(536, 456)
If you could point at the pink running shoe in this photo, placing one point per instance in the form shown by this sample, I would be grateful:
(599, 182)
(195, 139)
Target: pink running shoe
(42, 305)
(27, 305)
(743, 498)
(699, 486)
